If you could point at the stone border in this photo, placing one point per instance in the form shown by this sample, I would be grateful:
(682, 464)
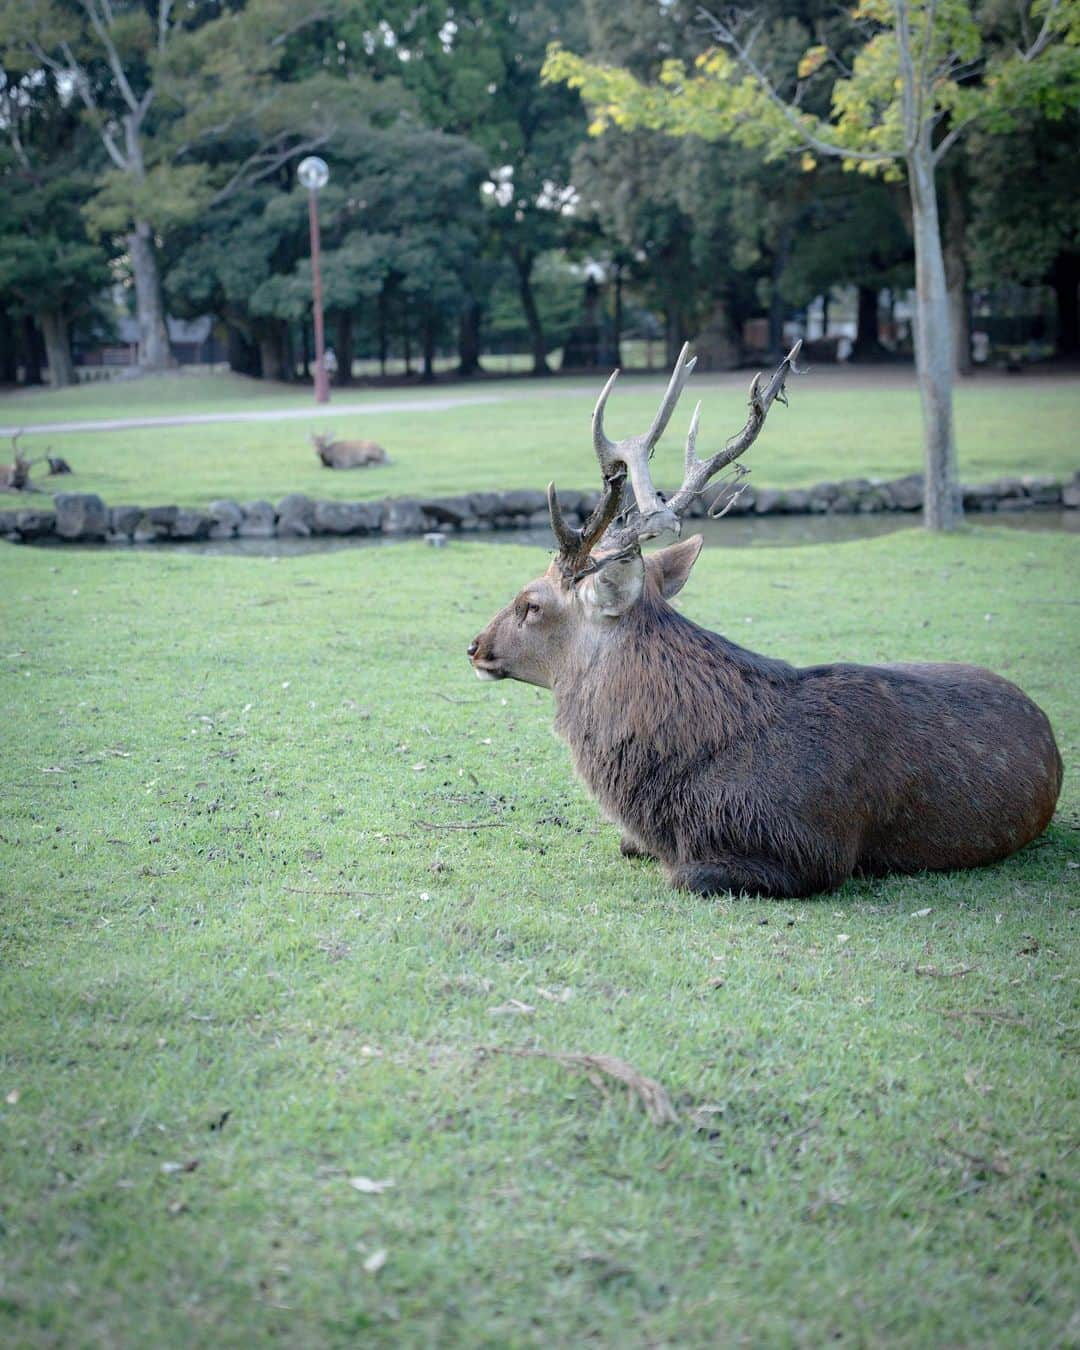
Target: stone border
(82, 517)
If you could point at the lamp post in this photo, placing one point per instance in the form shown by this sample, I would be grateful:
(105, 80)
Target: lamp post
(314, 175)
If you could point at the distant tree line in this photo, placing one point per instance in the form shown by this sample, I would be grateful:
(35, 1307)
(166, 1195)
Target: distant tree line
(153, 145)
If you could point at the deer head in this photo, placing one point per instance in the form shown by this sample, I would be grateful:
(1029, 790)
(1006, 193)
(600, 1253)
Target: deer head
(561, 622)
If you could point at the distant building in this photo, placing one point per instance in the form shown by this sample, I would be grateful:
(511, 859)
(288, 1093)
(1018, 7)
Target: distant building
(193, 343)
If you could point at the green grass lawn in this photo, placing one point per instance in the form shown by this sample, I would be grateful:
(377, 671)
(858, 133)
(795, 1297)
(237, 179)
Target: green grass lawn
(838, 426)
(251, 955)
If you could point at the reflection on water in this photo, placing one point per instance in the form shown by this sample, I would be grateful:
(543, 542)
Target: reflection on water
(731, 532)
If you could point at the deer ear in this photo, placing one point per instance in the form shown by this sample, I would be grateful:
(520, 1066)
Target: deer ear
(616, 586)
(670, 567)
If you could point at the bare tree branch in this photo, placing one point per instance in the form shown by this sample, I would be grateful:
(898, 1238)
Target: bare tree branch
(947, 142)
(1044, 33)
(164, 6)
(81, 81)
(907, 76)
(727, 37)
(923, 71)
(273, 155)
(100, 27)
(315, 16)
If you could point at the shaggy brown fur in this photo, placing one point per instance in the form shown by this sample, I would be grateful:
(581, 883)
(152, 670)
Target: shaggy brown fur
(742, 773)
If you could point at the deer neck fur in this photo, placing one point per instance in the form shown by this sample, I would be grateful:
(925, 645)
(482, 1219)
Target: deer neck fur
(657, 694)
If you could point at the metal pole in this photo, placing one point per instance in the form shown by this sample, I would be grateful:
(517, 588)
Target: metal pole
(322, 383)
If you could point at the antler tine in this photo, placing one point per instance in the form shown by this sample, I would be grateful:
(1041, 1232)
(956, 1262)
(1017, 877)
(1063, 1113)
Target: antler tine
(575, 545)
(605, 448)
(683, 370)
(652, 516)
(566, 536)
(698, 472)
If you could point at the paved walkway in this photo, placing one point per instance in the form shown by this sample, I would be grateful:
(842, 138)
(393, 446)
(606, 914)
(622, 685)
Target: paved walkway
(309, 414)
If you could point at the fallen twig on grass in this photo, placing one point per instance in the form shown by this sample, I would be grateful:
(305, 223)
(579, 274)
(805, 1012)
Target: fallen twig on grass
(998, 1164)
(944, 974)
(467, 825)
(302, 890)
(597, 1068)
(986, 1015)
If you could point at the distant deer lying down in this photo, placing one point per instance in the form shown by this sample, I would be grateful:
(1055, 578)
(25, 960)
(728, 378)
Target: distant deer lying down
(737, 771)
(348, 454)
(15, 477)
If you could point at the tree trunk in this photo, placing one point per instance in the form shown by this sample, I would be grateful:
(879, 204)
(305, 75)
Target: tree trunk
(9, 350)
(241, 353)
(933, 345)
(674, 334)
(343, 335)
(33, 353)
(427, 334)
(523, 262)
(776, 298)
(469, 339)
(867, 345)
(57, 335)
(617, 318)
(1065, 279)
(406, 337)
(271, 354)
(154, 351)
(956, 271)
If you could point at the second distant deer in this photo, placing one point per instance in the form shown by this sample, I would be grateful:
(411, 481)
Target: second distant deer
(348, 454)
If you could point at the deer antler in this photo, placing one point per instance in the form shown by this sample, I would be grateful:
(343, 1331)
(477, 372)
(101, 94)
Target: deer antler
(575, 545)
(636, 451)
(643, 522)
(617, 458)
(651, 514)
(698, 472)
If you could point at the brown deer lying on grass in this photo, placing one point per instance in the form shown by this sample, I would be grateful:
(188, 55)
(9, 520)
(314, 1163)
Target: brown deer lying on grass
(737, 771)
(15, 477)
(348, 454)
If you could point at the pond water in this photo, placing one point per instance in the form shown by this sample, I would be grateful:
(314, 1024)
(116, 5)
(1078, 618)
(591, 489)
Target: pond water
(731, 532)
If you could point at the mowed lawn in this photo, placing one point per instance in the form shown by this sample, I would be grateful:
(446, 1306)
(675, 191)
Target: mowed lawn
(281, 882)
(839, 425)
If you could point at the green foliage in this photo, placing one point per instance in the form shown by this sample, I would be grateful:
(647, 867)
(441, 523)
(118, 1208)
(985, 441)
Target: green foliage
(720, 96)
(246, 961)
(48, 262)
(1027, 209)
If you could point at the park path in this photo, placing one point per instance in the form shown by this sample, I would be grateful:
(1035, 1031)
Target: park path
(256, 415)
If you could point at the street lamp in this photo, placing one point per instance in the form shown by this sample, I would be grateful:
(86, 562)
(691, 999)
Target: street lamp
(314, 175)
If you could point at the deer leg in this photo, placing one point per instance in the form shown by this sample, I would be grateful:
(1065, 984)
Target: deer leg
(739, 875)
(630, 848)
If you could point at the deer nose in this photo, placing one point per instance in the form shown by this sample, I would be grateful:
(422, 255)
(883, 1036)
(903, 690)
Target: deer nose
(474, 646)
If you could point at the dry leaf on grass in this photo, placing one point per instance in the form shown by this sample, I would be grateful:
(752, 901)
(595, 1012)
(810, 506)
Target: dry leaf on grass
(598, 1069)
(998, 1165)
(366, 1186)
(985, 1015)
(375, 1261)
